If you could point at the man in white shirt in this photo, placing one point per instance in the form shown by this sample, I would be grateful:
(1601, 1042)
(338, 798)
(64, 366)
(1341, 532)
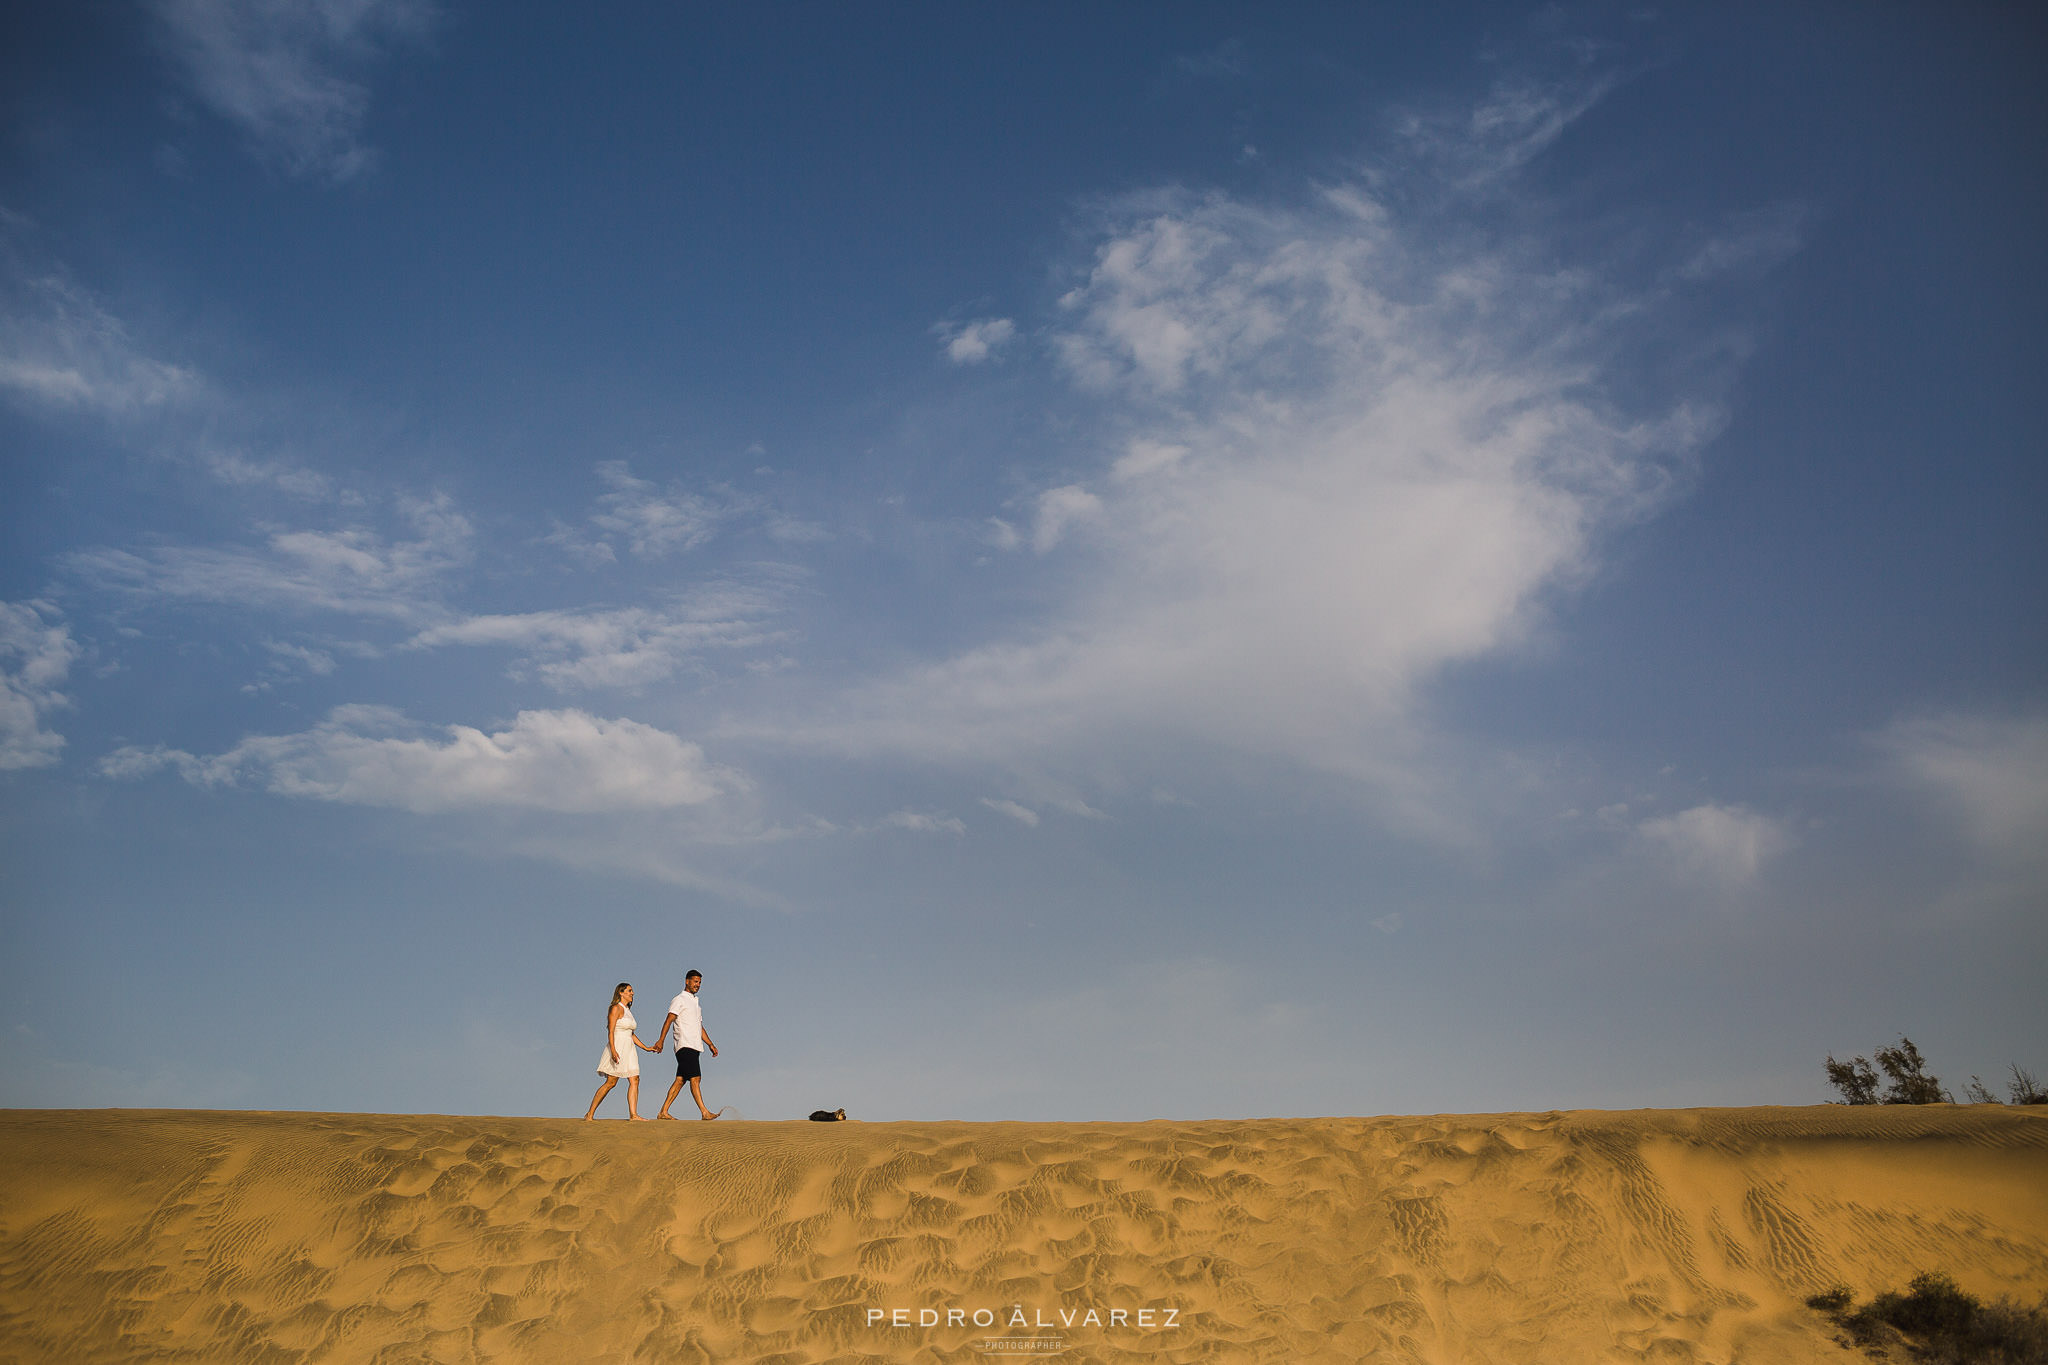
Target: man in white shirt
(686, 1017)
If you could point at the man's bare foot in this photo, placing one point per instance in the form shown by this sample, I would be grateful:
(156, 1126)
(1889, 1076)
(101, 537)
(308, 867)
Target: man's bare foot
(708, 1115)
(664, 1114)
(637, 1118)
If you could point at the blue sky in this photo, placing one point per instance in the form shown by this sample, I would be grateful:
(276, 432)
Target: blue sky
(1190, 560)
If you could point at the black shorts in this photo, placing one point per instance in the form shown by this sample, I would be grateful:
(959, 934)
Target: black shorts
(686, 1063)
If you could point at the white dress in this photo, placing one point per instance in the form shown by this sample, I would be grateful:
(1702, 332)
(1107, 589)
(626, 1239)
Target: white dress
(629, 1055)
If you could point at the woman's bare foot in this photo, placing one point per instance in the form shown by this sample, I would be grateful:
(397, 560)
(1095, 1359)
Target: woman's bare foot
(637, 1118)
(670, 1117)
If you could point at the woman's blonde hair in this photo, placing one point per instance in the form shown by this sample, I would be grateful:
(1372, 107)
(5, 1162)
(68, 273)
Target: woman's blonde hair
(620, 990)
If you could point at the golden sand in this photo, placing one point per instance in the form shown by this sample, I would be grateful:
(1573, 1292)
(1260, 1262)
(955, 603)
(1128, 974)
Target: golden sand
(1690, 1235)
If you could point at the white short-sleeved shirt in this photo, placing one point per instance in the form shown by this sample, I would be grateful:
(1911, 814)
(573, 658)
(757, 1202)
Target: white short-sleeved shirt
(689, 1013)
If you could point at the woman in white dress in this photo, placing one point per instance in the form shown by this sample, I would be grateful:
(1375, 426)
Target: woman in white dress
(620, 1057)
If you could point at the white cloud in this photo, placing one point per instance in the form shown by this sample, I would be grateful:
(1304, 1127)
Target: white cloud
(59, 348)
(1518, 120)
(590, 551)
(35, 658)
(62, 350)
(1224, 61)
(1990, 772)
(1059, 509)
(1729, 843)
(239, 469)
(626, 647)
(1073, 805)
(796, 531)
(921, 823)
(1023, 815)
(356, 572)
(1752, 243)
(564, 761)
(275, 69)
(1157, 307)
(973, 342)
(1388, 924)
(1145, 457)
(654, 523)
(1612, 817)
(661, 846)
(651, 522)
(1346, 454)
(318, 662)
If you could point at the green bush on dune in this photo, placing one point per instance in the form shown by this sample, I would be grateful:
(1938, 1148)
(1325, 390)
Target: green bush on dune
(1905, 1068)
(1937, 1323)
(2021, 1089)
(1906, 1081)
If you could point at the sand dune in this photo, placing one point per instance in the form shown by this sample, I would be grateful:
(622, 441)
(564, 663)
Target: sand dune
(1565, 1237)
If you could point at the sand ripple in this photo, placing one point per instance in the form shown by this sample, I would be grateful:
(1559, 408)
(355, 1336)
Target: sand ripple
(1667, 1236)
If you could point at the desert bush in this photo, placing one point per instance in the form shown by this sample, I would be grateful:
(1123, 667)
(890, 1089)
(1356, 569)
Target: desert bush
(2021, 1089)
(1939, 1324)
(1855, 1079)
(1932, 1306)
(1905, 1071)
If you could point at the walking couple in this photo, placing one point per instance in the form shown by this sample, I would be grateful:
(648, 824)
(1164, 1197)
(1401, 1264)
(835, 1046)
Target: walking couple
(622, 1045)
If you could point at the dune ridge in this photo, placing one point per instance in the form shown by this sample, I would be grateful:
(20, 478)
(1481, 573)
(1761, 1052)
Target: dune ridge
(1685, 1235)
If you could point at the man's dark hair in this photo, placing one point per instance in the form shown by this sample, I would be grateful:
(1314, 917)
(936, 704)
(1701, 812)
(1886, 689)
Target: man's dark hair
(692, 972)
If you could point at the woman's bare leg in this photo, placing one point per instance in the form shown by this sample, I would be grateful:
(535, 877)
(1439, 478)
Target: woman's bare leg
(603, 1089)
(633, 1100)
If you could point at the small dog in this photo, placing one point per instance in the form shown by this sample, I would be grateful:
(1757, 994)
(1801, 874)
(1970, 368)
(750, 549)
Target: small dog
(828, 1116)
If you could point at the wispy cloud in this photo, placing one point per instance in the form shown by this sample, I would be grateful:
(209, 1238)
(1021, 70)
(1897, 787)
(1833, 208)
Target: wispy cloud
(1727, 843)
(61, 349)
(663, 846)
(1749, 244)
(35, 658)
(290, 662)
(1340, 454)
(1990, 772)
(240, 469)
(562, 761)
(921, 822)
(1476, 146)
(287, 72)
(1022, 814)
(971, 343)
(650, 521)
(1146, 457)
(1060, 509)
(355, 571)
(1225, 61)
(627, 647)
